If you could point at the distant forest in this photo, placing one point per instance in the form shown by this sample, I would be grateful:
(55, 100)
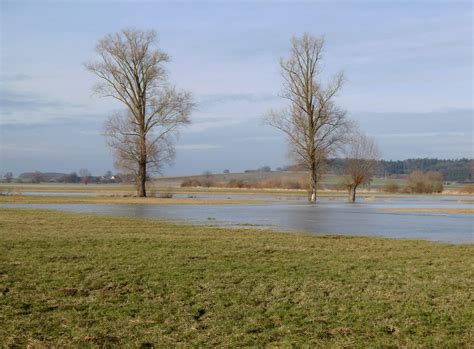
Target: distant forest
(459, 170)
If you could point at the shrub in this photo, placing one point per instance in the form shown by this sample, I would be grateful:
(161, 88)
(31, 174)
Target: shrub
(273, 183)
(425, 182)
(195, 182)
(236, 183)
(206, 182)
(391, 187)
(292, 185)
(191, 182)
(468, 189)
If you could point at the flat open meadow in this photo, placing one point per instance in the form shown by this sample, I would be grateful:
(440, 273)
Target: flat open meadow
(229, 174)
(72, 280)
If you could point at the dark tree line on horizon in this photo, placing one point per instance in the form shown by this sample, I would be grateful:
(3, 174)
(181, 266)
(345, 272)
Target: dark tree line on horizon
(457, 170)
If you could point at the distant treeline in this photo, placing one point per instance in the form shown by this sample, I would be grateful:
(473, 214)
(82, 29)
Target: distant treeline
(458, 170)
(55, 177)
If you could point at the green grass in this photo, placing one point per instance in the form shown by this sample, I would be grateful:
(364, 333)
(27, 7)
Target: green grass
(70, 280)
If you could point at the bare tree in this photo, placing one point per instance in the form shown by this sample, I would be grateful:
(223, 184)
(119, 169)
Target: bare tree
(37, 177)
(8, 177)
(361, 162)
(314, 125)
(85, 175)
(131, 69)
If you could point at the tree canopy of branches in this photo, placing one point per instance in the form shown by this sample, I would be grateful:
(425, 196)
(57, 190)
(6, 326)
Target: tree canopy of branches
(131, 70)
(315, 126)
(361, 163)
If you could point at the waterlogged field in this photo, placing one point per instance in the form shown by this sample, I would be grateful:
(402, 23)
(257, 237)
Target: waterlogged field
(430, 217)
(74, 280)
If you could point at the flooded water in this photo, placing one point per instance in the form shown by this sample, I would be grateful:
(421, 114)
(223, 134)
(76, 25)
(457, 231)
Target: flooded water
(368, 218)
(56, 193)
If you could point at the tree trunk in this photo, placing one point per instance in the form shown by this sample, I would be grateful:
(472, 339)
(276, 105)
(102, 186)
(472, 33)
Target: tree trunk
(313, 181)
(352, 193)
(141, 180)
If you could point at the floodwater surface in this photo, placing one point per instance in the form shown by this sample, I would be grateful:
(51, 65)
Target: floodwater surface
(367, 218)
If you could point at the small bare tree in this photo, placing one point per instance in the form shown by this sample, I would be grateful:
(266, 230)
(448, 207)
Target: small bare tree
(85, 175)
(8, 177)
(37, 177)
(361, 162)
(131, 69)
(314, 125)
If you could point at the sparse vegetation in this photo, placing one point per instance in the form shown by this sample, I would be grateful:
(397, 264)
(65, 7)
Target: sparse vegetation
(71, 280)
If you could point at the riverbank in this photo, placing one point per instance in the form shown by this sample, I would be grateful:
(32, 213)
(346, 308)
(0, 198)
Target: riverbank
(78, 280)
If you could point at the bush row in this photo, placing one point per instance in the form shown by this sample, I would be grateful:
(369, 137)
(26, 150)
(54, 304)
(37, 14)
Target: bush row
(275, 183)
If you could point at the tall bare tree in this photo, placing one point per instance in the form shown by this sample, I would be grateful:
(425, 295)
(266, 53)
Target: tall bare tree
(131, 70)
(361, 163)
(315, 126)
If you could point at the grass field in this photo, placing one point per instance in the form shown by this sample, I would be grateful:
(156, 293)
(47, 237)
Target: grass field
(70, 280)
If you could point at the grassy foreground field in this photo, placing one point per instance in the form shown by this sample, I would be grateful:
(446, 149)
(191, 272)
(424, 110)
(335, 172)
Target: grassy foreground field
(70, 280)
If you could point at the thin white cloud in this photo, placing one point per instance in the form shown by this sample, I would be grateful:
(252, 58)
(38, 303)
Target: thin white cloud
(258, 138)
(202, 126)
(422, 134)
(28, 148)
(90, 133)
(198, 146)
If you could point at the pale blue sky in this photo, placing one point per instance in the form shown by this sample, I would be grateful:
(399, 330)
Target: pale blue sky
(408, 66)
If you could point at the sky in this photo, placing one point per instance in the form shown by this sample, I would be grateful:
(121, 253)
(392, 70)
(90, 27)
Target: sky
(408, 68)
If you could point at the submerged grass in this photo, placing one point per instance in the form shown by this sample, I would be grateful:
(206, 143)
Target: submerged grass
(70, 280)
